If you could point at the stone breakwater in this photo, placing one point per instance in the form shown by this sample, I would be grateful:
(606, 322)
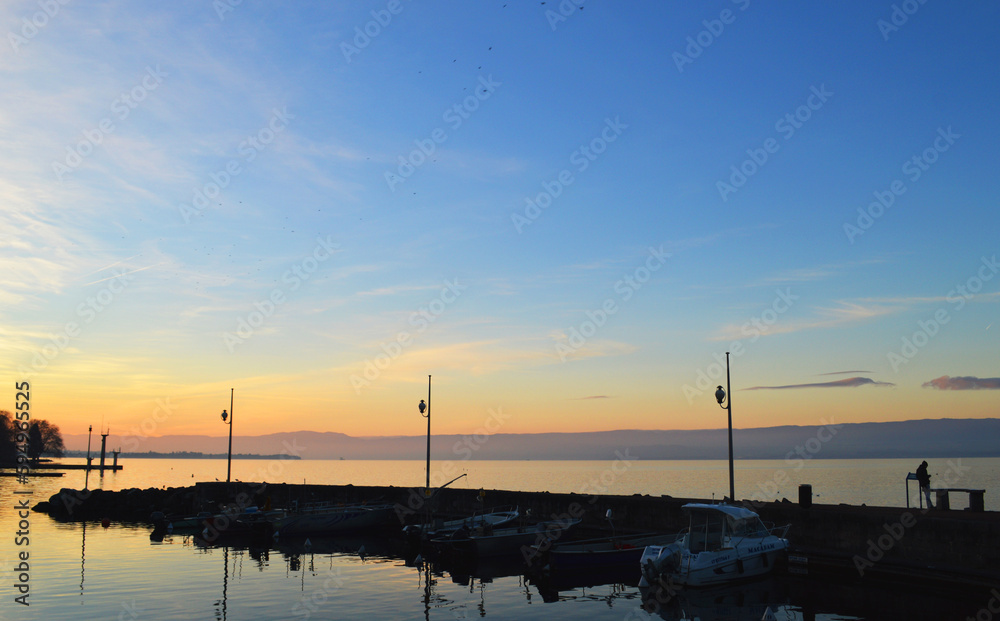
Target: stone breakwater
(856, 541)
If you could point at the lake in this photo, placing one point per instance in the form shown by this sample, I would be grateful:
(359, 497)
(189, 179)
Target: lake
(86, 571)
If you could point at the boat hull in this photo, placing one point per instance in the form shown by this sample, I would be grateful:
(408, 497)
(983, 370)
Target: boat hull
(345, 520)
(505, 541)
(601, 554)
(670, 564)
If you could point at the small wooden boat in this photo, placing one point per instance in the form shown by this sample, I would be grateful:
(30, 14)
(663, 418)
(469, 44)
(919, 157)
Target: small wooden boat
(333, 520)
(487, 541)
(254, 524)
(197, 523)
(602, 553)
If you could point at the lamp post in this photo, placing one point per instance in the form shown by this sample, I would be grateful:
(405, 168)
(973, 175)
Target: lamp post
(427, 406)
(86, 478)
(720, 396)
(229, 461)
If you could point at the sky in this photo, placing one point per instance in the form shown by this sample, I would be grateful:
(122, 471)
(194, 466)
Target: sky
(564, 213)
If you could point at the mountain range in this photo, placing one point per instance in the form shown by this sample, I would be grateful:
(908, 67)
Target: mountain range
(910, 439)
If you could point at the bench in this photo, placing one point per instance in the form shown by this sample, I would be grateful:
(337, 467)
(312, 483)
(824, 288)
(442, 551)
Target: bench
(976, 497)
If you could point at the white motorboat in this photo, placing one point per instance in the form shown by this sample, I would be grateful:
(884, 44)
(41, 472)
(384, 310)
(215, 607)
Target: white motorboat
(495, 518)
(723, 543)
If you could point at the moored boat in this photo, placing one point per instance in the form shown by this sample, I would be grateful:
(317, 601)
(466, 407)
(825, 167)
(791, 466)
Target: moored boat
(723, 543)
(602, 553)
(489, 541)
(197, 523)
(333, 520)
(495, 519)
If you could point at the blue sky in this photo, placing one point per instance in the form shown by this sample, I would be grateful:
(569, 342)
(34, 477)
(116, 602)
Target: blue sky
(369, 221)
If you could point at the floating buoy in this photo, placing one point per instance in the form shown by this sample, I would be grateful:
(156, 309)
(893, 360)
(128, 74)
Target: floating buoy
(105, 522)
(308, 544)
(417, 562)
(361, 552)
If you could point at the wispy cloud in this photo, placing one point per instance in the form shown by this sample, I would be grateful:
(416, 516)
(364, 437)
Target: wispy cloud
(831, 317)
(812, 274)
(851, 382)
(843, 372)
(592, 397)
(397, 290)
(964, 383)
(938, 299)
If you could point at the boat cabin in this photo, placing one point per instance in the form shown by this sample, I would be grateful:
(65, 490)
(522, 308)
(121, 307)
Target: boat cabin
(713, 527)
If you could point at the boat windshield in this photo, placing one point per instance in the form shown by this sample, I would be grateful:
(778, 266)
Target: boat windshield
(706, 531)
(710, 530)
(746, 527)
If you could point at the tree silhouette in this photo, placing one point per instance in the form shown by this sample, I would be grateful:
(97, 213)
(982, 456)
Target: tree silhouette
(52, 442)
(44, 438)
(8, 450)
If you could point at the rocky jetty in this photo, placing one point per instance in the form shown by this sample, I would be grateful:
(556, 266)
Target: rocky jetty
(130, 505)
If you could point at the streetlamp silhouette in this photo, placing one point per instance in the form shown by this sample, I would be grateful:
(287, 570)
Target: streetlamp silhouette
(427, 406)
(720, 396)
(229, 461)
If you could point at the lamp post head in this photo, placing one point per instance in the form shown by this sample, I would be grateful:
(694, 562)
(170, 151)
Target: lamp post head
(422, 407)
(720, 395)
(225, 415)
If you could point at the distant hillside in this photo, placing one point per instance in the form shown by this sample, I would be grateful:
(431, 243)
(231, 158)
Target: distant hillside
(910, 439)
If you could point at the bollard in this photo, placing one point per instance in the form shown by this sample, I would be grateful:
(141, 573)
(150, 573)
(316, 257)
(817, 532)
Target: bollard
(805, 495)
(976, 502)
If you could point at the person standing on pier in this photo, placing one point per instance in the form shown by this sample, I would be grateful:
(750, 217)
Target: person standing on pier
(924, 480)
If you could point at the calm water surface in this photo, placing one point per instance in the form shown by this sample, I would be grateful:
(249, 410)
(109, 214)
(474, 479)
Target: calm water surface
(83, 571)
(852, 481)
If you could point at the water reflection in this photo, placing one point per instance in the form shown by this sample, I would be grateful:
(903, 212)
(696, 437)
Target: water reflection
(748, 601)
(221, 604)
(450, 587)
(83, 556)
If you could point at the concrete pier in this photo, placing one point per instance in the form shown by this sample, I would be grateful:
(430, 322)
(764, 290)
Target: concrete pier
(856, 542)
